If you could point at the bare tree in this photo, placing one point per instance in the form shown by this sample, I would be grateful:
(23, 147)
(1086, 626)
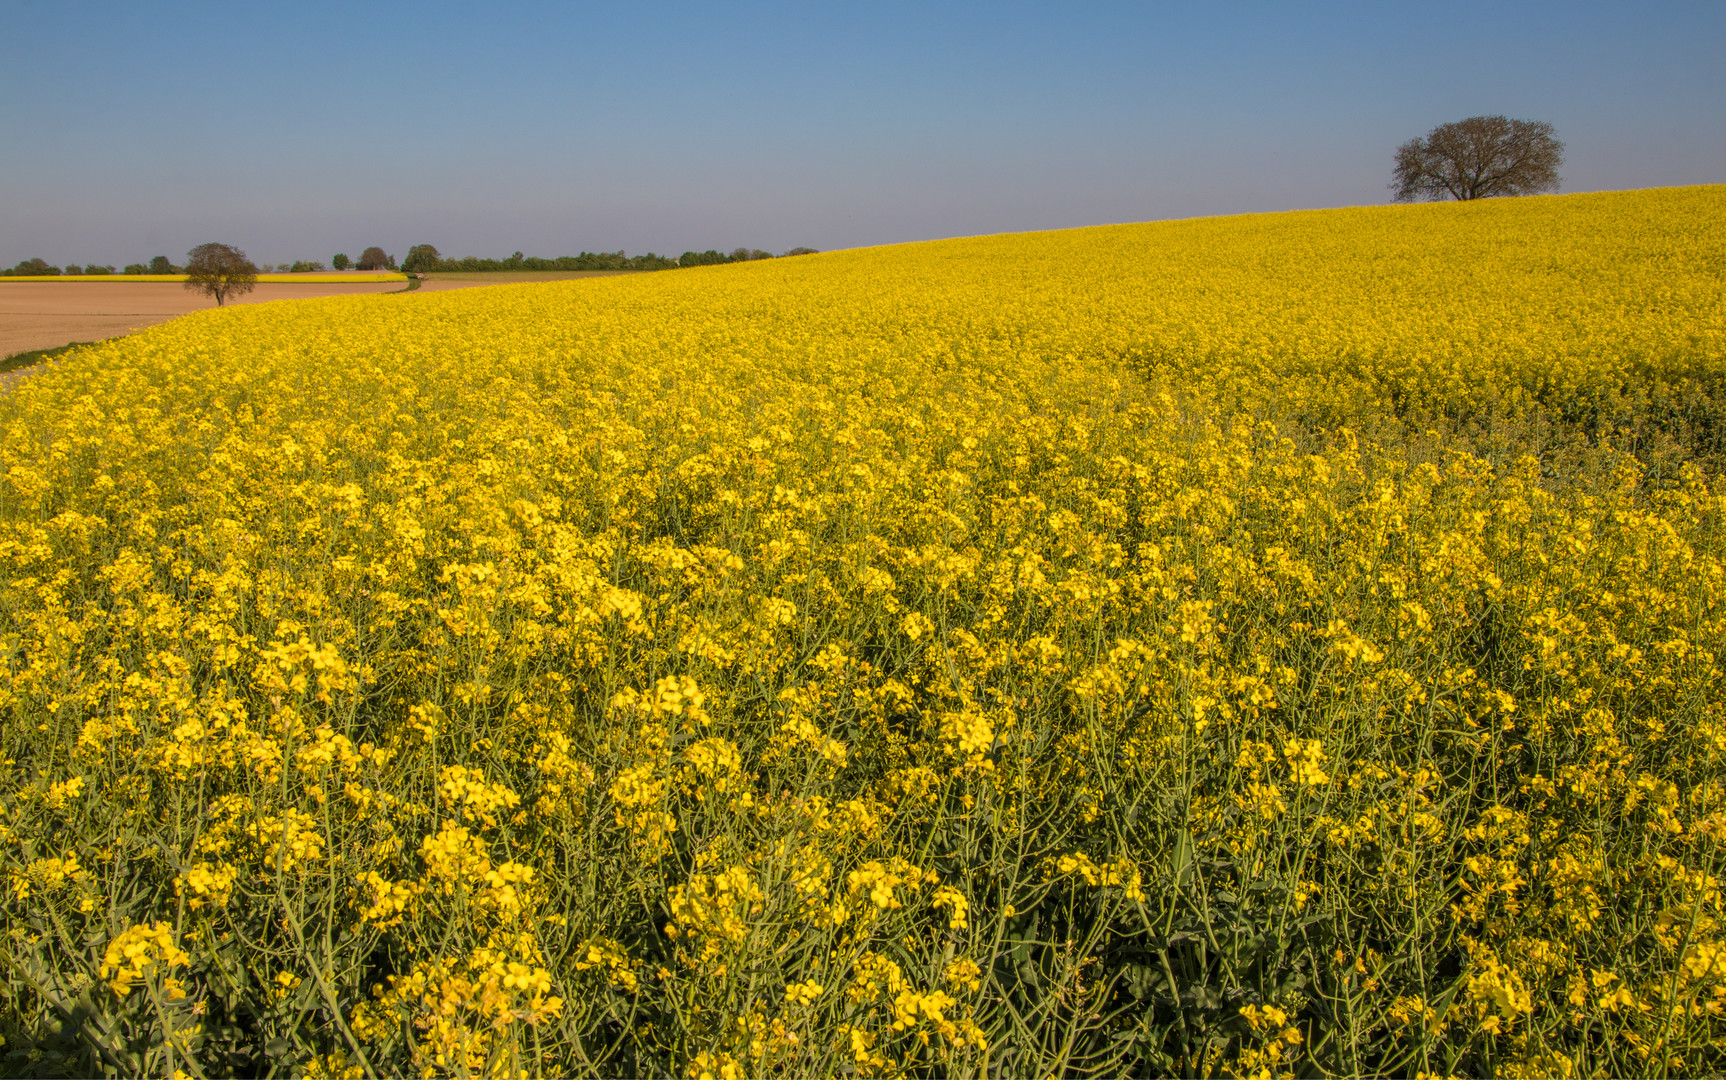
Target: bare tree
(1479, 158)
(219, 271)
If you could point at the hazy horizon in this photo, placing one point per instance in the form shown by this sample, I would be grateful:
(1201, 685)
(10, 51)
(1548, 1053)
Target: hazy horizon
(296, 133)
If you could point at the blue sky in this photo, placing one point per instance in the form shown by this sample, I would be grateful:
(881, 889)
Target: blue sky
(297, 130)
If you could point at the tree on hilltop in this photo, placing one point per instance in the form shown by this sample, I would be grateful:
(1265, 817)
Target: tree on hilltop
(219, 271)
(1479, 158)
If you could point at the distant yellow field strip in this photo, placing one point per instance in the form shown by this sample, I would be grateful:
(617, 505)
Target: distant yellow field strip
(276, 279)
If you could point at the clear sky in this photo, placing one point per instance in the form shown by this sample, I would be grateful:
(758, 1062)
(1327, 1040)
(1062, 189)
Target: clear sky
(296, 130)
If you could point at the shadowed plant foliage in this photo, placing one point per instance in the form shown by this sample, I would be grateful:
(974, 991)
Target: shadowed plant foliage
(19, 360)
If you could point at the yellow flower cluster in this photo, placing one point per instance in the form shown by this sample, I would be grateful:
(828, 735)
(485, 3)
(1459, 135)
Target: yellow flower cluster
(139, 952)
(1260, 645)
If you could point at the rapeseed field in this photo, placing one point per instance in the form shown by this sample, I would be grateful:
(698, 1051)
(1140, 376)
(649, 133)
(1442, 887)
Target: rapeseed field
(1258, 646)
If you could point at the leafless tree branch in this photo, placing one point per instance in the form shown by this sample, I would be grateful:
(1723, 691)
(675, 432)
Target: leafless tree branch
(1479, 158)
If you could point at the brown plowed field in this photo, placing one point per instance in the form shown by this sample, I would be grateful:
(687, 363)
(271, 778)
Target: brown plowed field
(48, 314)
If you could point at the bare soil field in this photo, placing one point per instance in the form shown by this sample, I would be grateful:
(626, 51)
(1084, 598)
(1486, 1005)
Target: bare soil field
(47, 314)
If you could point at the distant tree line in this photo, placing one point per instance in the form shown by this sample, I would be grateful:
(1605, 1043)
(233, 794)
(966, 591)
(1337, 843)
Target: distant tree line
(713, 258)
(372, 258)
(298, 266)
(41, 268)
(424, 258)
